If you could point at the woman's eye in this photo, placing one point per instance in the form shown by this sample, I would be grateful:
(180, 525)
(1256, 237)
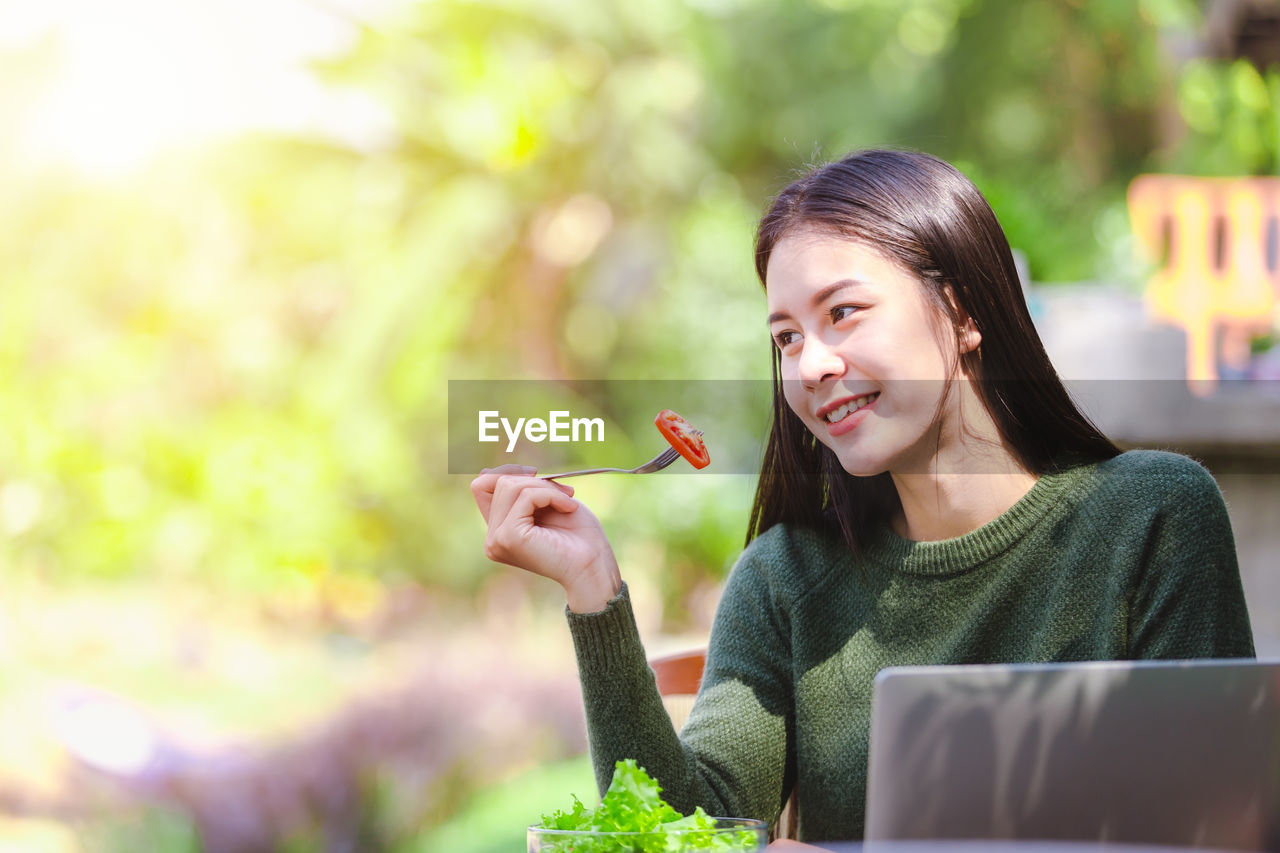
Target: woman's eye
(785, 339)
(840, 312)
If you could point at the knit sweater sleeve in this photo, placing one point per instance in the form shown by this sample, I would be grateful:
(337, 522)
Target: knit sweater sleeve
(1188, 601)
(731, 756)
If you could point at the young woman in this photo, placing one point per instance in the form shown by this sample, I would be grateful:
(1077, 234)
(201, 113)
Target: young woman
(930, 495)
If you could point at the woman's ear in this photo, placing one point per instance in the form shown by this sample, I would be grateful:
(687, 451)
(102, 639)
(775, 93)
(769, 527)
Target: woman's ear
(968, 336)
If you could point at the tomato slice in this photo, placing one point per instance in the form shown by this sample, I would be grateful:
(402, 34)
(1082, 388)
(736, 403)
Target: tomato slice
(684, 438)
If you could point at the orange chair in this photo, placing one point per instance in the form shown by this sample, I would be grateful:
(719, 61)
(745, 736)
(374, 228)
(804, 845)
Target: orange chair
(679, 676)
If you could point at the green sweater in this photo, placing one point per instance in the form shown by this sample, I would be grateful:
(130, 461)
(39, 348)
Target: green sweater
(1124, 559)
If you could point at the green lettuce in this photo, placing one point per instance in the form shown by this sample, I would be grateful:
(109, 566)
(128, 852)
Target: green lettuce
(634, 803)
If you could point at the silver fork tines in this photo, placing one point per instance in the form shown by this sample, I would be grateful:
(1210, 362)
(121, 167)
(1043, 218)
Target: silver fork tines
(657, 463)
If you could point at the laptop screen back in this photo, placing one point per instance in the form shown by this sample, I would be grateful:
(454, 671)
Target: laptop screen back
(1182, 753)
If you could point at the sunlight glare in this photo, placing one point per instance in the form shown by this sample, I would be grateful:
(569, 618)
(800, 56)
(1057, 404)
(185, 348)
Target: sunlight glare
(134, 78)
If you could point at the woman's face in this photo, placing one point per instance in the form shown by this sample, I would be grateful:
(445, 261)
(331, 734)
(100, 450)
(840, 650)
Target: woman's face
(862, 352)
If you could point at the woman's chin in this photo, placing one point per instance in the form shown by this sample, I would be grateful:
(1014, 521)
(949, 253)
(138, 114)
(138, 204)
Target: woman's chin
(862, 465)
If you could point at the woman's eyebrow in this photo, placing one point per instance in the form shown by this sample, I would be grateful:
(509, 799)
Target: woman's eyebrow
(820, 297)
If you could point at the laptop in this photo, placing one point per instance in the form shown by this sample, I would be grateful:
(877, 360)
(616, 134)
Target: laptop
(1183, 753)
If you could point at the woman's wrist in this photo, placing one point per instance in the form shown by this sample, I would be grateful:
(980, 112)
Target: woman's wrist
(592, 590)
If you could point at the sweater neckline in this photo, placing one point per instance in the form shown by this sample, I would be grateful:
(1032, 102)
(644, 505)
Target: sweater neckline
(952, 556)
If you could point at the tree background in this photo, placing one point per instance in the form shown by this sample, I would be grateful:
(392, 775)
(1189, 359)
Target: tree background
(224, 377)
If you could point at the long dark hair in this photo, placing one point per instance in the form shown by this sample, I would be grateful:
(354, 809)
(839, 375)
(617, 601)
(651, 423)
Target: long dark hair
(928, 217)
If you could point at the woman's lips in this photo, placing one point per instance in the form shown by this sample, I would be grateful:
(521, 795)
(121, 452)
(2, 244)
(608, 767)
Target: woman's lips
(849, 421)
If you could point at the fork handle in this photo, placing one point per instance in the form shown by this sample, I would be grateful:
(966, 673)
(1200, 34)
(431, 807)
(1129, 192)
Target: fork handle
(586, 471)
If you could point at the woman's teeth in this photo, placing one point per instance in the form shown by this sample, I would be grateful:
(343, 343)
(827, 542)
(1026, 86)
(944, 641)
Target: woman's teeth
(850, 407)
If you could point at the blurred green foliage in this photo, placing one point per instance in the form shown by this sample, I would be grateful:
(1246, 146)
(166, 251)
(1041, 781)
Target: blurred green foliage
(491, 823)
(1232, 113)
(232, 370)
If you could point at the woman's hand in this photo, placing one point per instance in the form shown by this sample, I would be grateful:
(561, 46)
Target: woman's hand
(537, 525)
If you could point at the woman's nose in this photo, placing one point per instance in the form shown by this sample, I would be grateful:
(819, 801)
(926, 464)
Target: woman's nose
(818, 361)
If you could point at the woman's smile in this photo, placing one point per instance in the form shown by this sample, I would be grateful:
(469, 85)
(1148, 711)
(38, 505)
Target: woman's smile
(845, 414)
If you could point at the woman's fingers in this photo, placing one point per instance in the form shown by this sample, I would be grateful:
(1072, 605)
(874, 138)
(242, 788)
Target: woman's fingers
(508, 489)
(513, 529)
(536, 525)
(483, 485)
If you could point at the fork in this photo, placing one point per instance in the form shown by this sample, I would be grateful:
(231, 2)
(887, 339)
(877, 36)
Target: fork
(657, 463)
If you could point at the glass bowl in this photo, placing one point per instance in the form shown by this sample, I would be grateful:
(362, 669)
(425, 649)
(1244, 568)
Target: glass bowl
(730, 835)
